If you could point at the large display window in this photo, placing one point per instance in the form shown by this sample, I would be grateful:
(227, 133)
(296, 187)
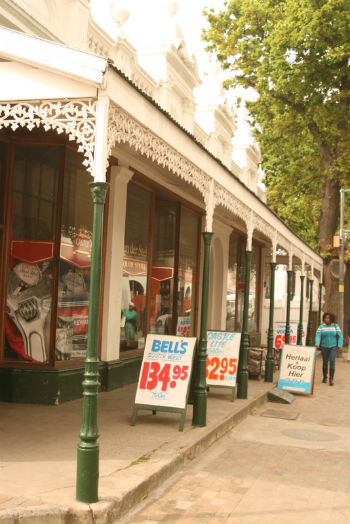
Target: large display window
(236, 284)
(47, 224)
(135, 267)
(159, 268)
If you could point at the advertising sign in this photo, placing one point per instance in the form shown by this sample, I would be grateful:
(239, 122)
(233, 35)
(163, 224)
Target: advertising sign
(183, 328)
(222, 361)
(297, 368)
(280, 331)
(165, 371)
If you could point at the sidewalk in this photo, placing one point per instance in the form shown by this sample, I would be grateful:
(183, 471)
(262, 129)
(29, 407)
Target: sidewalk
(283, 464)
(38, 453)
(38, 448)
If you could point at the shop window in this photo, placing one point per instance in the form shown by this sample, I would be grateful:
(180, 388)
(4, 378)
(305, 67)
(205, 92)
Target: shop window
(163, 265)
(231, 285)
(75, 262)
(2, 159)
(236, 283)
(254, 290)
(32, 248)
(135, 268)
(48, 221)
(159, 267)
(187, 273)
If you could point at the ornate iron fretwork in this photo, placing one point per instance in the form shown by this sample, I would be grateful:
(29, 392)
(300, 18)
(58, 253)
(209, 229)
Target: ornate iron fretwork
(76, 118)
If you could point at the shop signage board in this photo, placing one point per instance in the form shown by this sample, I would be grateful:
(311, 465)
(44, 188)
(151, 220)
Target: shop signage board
(165, 375)
(297, 369)
(280, 332)
(222, 360)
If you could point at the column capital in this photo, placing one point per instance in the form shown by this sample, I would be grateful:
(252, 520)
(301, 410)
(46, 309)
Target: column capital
(98, 191)
(124, 173)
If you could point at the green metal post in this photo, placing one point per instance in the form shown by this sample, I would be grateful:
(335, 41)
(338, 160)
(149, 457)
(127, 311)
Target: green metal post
(319, 302)
(269, 356)
(309, 341)
(88, 447)
(242, 376)
(200, 389)
(289, 297)
(301, 312)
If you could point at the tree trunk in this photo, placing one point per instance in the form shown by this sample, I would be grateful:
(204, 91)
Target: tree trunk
(326, 229)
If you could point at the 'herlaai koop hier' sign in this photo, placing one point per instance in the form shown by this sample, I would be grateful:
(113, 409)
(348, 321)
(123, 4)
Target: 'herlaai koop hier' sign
(297, 368)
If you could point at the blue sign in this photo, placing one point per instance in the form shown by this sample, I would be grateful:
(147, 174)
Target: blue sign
(297, 368)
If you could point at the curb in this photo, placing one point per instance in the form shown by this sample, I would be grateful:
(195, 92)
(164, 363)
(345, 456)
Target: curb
(139, 486)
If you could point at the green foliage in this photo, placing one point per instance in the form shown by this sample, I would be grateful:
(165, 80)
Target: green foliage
(295, 54)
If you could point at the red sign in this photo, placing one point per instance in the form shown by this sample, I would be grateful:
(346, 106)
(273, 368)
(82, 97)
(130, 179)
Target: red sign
(80, 316)
(78, 252)
(32, 251)
(162, 273)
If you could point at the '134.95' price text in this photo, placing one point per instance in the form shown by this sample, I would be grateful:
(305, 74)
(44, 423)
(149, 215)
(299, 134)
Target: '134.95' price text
(168, 374)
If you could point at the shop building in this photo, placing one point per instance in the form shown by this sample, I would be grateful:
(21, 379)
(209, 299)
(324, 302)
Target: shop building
(69, 117)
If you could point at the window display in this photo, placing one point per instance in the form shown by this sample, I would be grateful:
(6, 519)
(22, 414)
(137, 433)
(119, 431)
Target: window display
(187, 273)
(49, 193)
(231, 285)
(75, 262)
(236, 283)
(162, 278)
(135, 268)
(30, 275)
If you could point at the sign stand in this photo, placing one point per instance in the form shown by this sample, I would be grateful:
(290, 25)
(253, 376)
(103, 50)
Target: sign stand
(233, 391)
(154, 410)
(313, 380)
(165, 375)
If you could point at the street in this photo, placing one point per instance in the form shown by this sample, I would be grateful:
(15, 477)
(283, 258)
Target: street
(284, 464)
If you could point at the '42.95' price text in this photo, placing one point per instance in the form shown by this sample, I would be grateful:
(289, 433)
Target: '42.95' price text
(168, 374)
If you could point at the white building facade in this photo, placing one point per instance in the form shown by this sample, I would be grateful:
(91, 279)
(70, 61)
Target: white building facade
(78, 106)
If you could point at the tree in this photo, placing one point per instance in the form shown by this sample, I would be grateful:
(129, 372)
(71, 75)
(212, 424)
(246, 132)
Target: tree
(295, 54)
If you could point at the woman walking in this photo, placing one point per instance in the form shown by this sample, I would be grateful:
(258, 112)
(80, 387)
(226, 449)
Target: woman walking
(328, 339)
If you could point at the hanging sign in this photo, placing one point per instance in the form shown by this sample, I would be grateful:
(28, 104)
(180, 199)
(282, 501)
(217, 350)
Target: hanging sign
(222, 361)
(297, 368)
(280, 332)
(165, 375)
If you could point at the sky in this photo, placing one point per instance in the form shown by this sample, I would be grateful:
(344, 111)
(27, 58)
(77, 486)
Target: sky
(164, 17)
(188, 17)
(157, 22)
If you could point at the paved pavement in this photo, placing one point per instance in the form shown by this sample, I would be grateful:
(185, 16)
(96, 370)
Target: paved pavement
(288, 470)
(38, 453)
